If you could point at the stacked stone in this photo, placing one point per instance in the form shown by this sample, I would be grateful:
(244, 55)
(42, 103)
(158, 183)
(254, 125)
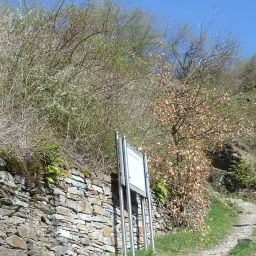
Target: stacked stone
(78, 217)
(84, 214)
(25, 226)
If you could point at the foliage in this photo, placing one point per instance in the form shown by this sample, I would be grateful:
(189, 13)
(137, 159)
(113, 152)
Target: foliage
(161, 190)
(192, 49)
(240, 175)
(77, 69)
(53, 163)
(14, 163)
(188, 114)
(247, 75)
(44, 162)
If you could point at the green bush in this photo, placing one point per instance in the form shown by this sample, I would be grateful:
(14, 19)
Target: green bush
(161, 191)
(241, 175)
(43, 161)
(82, 70)
(53, 163)
(14, 162)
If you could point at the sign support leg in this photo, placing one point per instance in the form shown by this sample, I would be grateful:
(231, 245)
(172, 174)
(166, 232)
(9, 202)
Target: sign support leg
(144, 223)
(149, 203)
(128, 195)
(120, 170)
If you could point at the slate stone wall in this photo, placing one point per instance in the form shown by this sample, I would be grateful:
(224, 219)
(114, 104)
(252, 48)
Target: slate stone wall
(80, 216)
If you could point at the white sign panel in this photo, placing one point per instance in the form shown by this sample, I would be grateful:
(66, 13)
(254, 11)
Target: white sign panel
(136, 171)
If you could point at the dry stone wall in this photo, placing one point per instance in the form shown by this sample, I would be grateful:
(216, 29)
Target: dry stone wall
(80, 216)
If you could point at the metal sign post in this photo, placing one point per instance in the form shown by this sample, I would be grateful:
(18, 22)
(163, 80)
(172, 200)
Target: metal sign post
(142, 199)
(149, 203)
(133, 174)
(128, 195)
(120, 171)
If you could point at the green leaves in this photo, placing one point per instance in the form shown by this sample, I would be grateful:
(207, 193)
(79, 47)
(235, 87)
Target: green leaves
(53, 172)
(161, 190)
(241, 175)
(50, 180)
(53, 161)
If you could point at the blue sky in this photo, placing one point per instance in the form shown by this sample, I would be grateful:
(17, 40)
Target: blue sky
(225, 16)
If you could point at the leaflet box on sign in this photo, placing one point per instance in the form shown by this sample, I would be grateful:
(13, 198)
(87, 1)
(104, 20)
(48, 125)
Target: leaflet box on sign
(136, 171)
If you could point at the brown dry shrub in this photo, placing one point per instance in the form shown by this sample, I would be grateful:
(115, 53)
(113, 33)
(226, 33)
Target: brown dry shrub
(190, 118)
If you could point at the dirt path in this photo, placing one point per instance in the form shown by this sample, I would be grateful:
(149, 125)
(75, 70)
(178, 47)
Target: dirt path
(242, 230)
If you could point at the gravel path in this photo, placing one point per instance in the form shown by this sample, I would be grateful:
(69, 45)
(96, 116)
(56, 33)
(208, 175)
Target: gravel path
(242, 230)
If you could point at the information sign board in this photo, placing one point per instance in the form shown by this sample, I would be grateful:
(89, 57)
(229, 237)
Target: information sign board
(136, 171)
(132, 171)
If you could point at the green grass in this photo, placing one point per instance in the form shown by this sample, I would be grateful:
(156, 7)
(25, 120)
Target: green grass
(143, 253)
(245, 247)
(218, 224)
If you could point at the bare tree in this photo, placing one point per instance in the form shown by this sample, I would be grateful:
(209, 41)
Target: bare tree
(196, 53)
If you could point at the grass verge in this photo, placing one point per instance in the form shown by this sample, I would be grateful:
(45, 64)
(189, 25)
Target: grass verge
(218, 224)
(245, 247)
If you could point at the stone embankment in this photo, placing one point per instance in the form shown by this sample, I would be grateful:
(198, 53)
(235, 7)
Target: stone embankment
(80, 216)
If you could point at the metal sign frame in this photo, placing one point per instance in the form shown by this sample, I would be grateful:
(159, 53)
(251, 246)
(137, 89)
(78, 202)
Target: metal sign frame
(124, 182)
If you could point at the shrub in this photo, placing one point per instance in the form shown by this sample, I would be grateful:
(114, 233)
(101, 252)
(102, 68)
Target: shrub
(80, 70)
(161, 190)
(44, 162)
(241, 175)
(53, 163)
